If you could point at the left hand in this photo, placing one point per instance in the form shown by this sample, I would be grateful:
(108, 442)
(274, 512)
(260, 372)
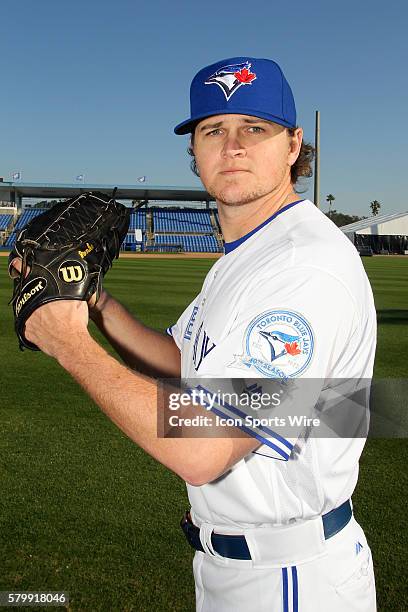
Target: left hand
(58, 327)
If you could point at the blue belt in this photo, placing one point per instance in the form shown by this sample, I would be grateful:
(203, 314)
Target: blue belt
(236, 547)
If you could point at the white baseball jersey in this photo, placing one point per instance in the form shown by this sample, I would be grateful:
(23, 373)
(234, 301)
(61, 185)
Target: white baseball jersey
(289, 299)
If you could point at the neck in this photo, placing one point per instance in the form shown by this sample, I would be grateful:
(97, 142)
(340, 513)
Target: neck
(236, 221)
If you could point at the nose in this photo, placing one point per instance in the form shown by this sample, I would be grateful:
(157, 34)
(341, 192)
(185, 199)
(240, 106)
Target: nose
(233, 146)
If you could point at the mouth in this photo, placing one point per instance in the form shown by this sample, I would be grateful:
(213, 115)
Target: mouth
(232, 171)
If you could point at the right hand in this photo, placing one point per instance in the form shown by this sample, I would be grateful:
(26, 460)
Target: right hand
(15, 270)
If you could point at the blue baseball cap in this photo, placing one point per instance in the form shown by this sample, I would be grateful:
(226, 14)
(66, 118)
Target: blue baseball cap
(240, 86)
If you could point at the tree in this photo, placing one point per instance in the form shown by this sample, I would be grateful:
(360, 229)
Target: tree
(330, 198)
(375, 206)
(341, 219)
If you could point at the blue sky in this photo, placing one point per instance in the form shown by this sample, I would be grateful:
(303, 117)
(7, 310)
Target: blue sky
(96, 87)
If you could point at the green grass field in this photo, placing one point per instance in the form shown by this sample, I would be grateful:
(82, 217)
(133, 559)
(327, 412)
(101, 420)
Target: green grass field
(83, 509)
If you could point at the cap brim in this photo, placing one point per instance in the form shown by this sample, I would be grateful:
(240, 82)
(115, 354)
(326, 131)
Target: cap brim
(188, 126)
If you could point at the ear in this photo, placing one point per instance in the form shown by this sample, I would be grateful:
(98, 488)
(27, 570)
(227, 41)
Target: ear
(295, 143)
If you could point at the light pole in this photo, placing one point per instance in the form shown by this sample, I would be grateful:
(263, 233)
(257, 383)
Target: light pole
(317, 161)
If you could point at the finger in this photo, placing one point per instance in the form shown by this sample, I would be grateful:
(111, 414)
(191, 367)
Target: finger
(15, 267)
(92, 300)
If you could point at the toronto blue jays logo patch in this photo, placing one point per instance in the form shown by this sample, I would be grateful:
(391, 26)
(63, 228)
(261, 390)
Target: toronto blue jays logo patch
(232, 77)
(278, 344)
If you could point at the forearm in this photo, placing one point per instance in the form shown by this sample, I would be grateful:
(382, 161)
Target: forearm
(142, 349)
(129, 399)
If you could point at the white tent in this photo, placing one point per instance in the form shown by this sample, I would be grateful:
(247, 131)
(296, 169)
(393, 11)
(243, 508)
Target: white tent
(381, 225)
(382, 233)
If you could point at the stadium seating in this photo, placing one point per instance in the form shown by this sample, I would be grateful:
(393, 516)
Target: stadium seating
(190, 244)
(5, 221)
(24, 218)
(182, 221)
(27, 216)
(10, 240)
(138, 220)
(190, 230)
(129, 243)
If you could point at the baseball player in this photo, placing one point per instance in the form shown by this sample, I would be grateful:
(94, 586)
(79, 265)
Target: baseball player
(271, 515)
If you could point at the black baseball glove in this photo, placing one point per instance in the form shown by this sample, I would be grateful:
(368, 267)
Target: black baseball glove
(65, 252)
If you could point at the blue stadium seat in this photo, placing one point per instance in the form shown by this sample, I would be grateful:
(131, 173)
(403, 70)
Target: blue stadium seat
(5, 221)
(182, 221)
(27, 215)
(189, 243)
(10, 240)
(138, 220)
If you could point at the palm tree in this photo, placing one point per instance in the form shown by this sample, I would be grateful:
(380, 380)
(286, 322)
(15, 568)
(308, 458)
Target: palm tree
(330, 198)
(375, 206)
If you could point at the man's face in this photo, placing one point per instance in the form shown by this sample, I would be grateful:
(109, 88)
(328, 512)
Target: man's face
(241, 158)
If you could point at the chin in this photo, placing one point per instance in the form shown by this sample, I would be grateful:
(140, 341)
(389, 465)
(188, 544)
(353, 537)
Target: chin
(239, 201)
(235, 193)
(234, 196)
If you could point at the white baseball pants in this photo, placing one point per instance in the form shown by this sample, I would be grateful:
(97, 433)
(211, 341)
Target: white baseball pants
(341, 579)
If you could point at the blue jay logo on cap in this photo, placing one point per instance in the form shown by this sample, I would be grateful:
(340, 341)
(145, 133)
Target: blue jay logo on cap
(232, 77)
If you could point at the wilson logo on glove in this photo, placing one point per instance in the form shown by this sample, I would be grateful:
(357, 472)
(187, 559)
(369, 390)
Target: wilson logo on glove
(65, 252)
(71, 272)
(32, 288)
